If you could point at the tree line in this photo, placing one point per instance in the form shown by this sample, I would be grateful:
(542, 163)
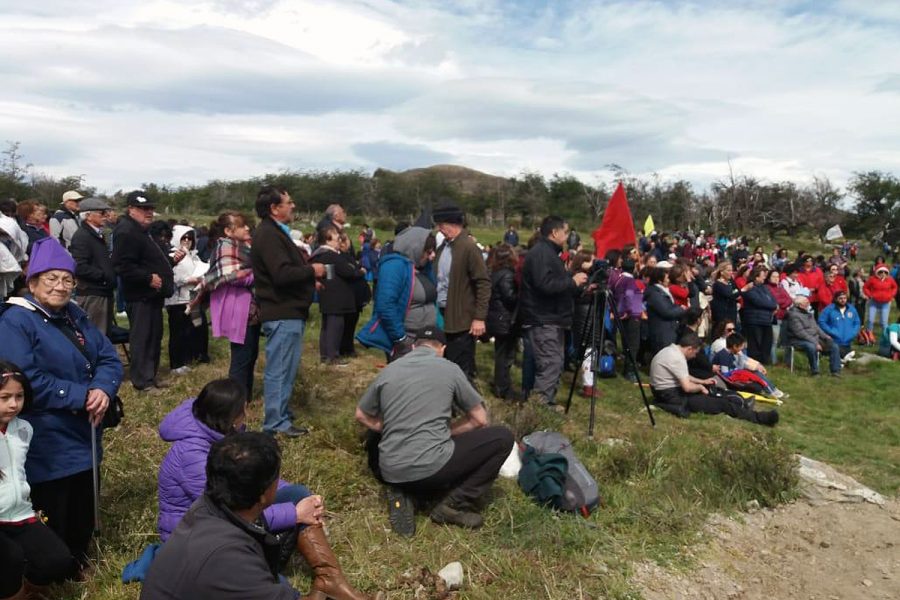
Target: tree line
(869, 203)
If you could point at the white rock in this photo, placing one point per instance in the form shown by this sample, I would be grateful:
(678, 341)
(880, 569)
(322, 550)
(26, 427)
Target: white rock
(452, 574)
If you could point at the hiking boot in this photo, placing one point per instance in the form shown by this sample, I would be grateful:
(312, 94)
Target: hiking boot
(444, 514)
(401, 512)
(768, 418)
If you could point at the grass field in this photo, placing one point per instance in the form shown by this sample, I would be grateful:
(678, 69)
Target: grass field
(658, 484)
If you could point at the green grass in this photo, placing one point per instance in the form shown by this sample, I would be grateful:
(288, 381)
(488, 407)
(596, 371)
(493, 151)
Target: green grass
(658, 484)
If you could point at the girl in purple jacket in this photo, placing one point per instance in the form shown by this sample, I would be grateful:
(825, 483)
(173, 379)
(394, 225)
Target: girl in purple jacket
(296, 515)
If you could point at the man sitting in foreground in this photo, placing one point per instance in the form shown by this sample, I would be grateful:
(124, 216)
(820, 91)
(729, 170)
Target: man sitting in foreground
(219, 549)
(415, 447)
(675, 391)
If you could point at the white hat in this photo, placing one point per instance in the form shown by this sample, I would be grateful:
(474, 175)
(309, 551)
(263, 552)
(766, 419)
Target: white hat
(71, 195)
(664, 264)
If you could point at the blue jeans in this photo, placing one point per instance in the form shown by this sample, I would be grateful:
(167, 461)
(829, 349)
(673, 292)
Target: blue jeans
(834, 356)
(882, 310)
(293, 493)
(284, 346)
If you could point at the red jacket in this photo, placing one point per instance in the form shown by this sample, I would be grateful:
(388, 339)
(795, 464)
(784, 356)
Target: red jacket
(880, 290)
(813, 280)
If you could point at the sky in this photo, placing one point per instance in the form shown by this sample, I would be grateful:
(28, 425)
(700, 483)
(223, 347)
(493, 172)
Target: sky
(125, 92)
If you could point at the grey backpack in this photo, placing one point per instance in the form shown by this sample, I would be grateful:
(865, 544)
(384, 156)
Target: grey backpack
(581, 493)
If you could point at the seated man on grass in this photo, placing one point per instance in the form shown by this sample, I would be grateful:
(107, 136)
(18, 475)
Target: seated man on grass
(675, 391)
(221, 548)
(416, 448)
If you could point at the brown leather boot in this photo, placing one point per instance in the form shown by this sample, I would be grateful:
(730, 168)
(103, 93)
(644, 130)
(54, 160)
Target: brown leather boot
(330, 581)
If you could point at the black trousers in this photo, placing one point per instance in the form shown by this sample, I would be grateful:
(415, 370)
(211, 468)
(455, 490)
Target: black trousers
(243, 359)
(631, 329)
(505, 347)
(350, 321)
(473, 467)
(330, 337)
(681, 404)
(759, 342)
(68, 505)
(34, 552)
(145, 341)
(461, 350)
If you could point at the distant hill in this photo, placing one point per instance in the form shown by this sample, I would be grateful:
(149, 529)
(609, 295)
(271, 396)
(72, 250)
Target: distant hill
(467, 181)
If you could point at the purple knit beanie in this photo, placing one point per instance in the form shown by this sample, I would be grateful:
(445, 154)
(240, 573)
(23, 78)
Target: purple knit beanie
(48, 254)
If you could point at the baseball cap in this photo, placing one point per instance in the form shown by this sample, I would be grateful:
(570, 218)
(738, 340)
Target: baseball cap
(71, 195)
(139, 198)
(431, 334)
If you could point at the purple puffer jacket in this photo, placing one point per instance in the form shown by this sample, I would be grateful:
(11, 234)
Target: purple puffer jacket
(182, 474)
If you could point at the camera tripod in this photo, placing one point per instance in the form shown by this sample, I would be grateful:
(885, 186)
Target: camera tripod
(593, 338)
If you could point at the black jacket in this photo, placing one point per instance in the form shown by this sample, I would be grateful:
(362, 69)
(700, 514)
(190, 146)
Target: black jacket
(283, 279)
(135, 257)
(724, 302)
(502, 307)
(215, 554)
(663, 316)
(93, 264)
(339, 294)
(547, 288)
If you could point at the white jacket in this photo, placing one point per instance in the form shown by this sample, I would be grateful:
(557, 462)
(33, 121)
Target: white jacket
(187, 268)
(15, 493)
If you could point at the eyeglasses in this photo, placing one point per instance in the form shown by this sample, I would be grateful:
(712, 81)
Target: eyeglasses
(55, 280)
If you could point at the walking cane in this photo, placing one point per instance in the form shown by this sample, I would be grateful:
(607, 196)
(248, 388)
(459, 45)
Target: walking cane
(95, 467)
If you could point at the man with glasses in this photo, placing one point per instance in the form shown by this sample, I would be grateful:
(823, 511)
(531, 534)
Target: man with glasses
(147, 280)
(284, 281)
(93, 264)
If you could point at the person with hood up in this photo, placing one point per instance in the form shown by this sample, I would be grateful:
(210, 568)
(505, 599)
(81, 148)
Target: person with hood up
(337, 297)
(188, 340)
(405, 296)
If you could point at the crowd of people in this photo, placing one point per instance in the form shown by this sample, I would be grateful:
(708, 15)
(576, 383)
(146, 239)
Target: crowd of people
(701, 312)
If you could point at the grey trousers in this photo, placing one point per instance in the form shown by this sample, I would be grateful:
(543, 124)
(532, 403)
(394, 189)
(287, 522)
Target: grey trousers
(99, 311)
(548, 343)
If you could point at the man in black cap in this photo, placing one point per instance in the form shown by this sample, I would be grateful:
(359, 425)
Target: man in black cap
(93, 264)
(147, 280)
(415, 446)
(463, 287)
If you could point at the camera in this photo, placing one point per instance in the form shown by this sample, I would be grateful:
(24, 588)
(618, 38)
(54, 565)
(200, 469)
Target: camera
(599, 273)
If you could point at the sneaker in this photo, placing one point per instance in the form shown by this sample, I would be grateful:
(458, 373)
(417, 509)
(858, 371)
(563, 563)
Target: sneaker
(836, 374)
(290, 432)
(444, 514)
(181, 370)
(401, 512)
(161, 383)
(778, 394)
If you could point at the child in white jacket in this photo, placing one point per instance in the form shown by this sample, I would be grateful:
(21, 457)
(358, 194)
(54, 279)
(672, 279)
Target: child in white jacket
(30, 552)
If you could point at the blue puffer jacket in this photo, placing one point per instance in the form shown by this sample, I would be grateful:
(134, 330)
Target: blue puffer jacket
(759, 306)
(61, 377)
(392, 295)
(842, 328)
(182, 474)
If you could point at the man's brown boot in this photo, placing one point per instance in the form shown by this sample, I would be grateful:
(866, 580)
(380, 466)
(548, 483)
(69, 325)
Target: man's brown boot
(330, 581)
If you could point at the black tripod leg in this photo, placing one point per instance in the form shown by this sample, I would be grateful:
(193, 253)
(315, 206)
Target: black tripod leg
(587, 334)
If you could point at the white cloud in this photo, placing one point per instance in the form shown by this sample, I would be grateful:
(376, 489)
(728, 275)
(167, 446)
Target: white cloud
(176, 92)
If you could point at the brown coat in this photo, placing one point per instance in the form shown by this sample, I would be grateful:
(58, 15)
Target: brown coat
(469, 288)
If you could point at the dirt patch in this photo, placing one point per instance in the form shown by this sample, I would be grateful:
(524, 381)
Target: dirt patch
(828, 552)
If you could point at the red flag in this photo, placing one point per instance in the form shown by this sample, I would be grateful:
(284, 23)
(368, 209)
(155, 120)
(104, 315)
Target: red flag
(617, 228)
